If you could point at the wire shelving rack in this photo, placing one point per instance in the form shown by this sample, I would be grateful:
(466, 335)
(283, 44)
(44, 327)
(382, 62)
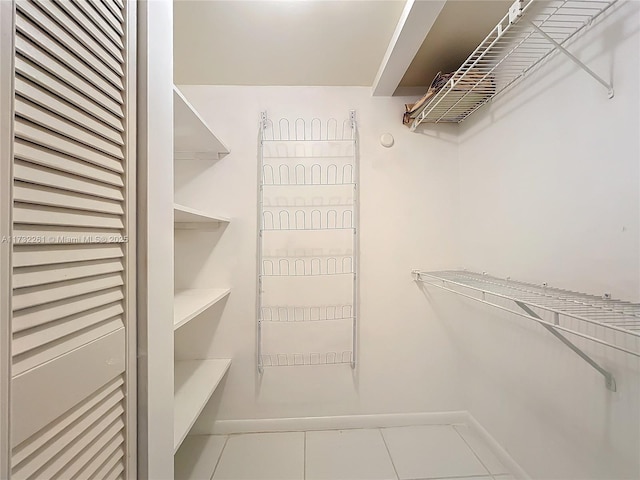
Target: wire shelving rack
(319, 160)
(305, 359)
(530, 32)
(600, 319)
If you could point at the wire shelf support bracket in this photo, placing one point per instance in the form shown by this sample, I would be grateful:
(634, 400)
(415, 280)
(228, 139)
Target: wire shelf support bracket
(529, 33)
(609, 381)
(307, 160)
(605, 317)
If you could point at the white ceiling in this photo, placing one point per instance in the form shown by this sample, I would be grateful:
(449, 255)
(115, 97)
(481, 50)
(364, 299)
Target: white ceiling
(281, 42)
(316, 42)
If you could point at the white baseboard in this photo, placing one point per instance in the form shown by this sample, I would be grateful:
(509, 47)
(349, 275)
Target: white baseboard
(497, 449)
(342, 422)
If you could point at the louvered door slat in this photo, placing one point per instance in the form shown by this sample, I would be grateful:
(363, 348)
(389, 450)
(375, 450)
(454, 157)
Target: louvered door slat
(54, 197)
(115, 8)
(73, 28)
(89, 368)
(107, 466)
(49, 120)
(61, 235)
(59, 143)
(45, 274)
(34, 296)
(78, 49)
(62, 346)
(56, 330)
(33, 256)
(51, 466)
(115, 473)
(56, 68)
(73, 209)
(64, 163)
(101, 442)
(92, 14)
(110, 453)
(48, 44)
(38, 316)
(66, 110)
(43, 215)
(106, 13)
(81, 19)
(49, 451)
(109, 395)
(26, 69)
(36, 174)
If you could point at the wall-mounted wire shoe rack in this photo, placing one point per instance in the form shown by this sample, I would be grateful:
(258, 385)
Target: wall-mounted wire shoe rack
(612, 323)
(530, 32)
(307, 233)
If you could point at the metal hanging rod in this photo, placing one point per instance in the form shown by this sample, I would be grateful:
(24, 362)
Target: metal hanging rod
(610, 315)
(529, 33)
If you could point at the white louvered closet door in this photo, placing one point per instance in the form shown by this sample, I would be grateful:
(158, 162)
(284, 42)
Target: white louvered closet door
(73, 322)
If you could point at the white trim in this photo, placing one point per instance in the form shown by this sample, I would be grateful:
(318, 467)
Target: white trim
(155, 238)
(7, 35)
(497, 449)
(131, 245)
(299, 424)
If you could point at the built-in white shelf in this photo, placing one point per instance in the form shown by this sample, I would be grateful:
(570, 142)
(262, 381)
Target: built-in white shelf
(191, 218)
(188, 304)
(193, 139)
(197, 457)
(194, 383)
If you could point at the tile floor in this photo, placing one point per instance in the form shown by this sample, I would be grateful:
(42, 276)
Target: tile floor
(398, 453)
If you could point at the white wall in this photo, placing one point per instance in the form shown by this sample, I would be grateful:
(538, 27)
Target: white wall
(408, 199)
(549, 192)
(549, 173)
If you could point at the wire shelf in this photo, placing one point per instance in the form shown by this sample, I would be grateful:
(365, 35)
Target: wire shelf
(304, 149)
(313, 175)
(306, 359)
(330, 219)
(309, 154)
(314, 130)
(529, 33)
(288, 313)
(620, 318)
(309, 267)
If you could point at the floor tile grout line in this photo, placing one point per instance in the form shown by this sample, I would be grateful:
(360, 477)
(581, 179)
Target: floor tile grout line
(395, 470)
(488, 475)
(463, 477)
(226, 439)
(472, 450)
